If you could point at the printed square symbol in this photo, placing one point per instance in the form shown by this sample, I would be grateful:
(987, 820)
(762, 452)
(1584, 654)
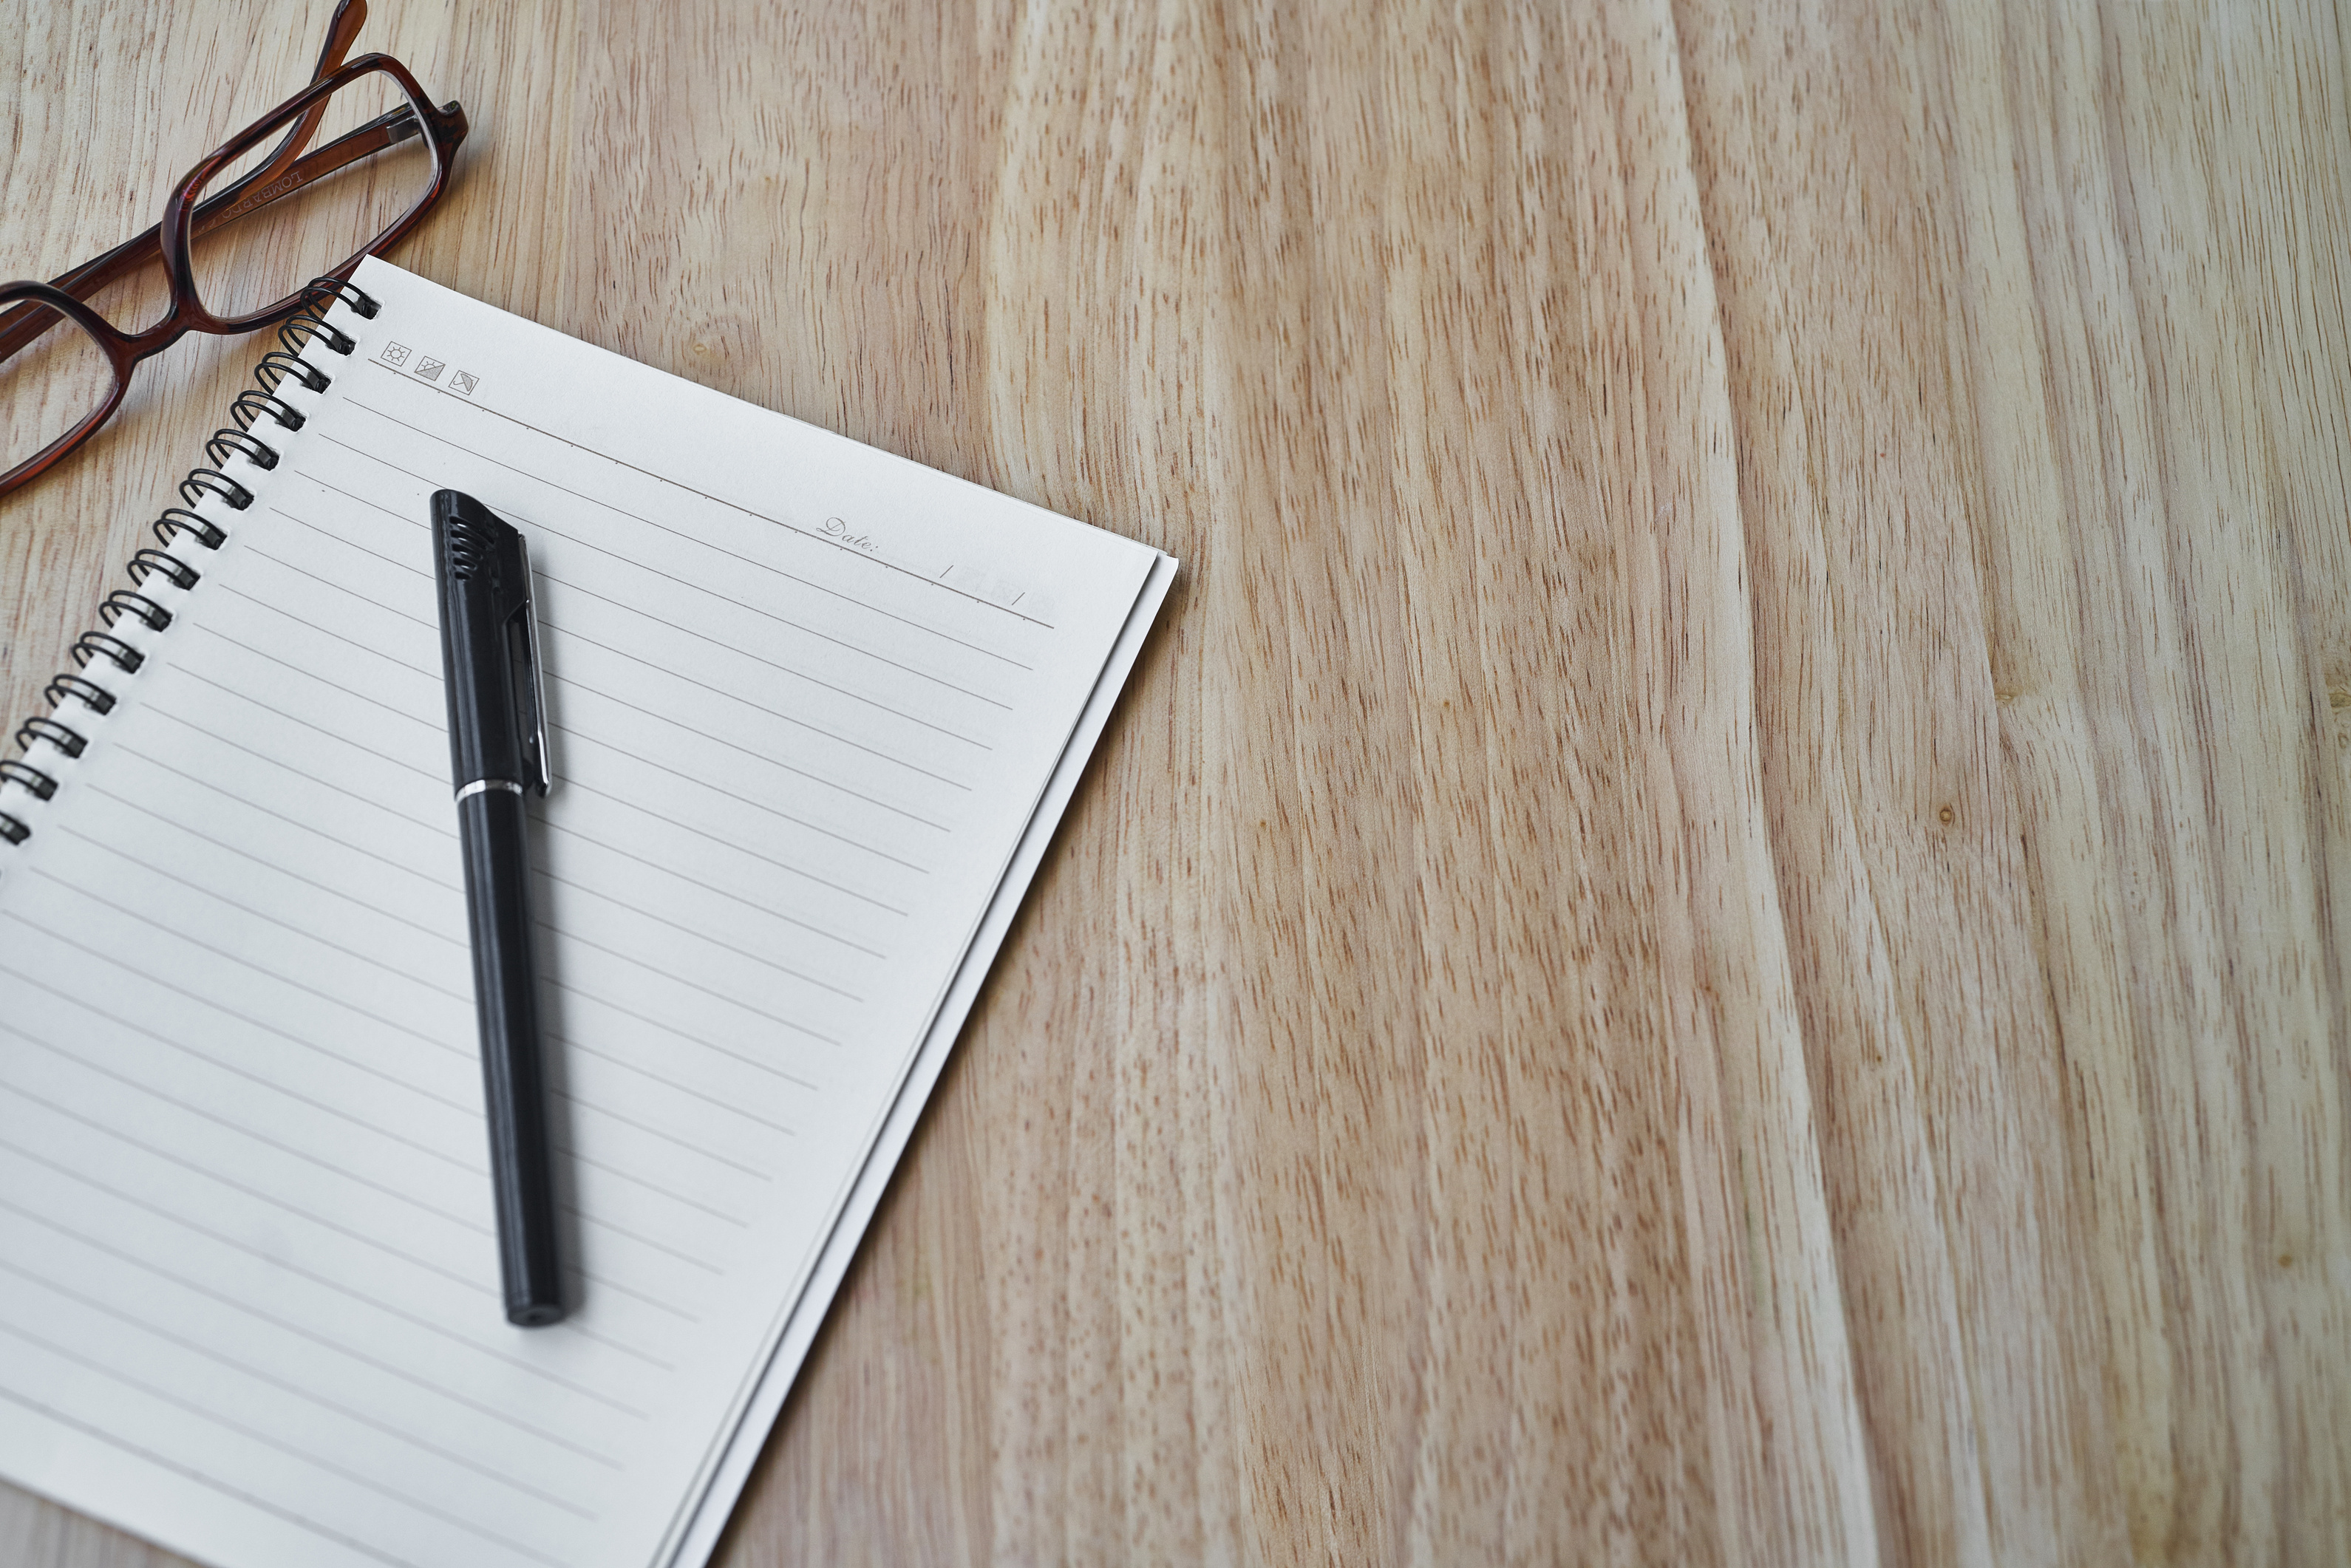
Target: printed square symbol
(462, 380)
(395, 353)
(430, 368)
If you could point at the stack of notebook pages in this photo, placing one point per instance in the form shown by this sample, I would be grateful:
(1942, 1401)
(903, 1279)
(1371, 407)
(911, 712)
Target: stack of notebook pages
(815, 713)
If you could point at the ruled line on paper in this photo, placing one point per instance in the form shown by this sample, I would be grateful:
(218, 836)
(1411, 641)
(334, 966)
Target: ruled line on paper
(325, 533)
(601, 1223)
(471, 1113)
(770, 910)
(463, 997)
(574, 937)
(636, 811)
(688, 1146)
(734, 847)
(429, 673)
(720, 996)
(635, 1179)
(191, 1108)
(738, 847)
(437, 727)
(800, 871)
(450, 885)
(329, 1282)
(461, 1281)
(562, 630)
(252, 859)
(548, 623)
(245, 750)
(643, 1298)
(622, 701)
(674, 1033)
(365, 1239)
(149, 1266)
(253, 550)
(439, 935)
(642, 914)
(733, 1107)
(182, 668)
(254, 1077)
(811, 927)
(701, 734)
(571, 1150)
(472, 1463)
(747, 751)
(643, 761)
(716, 500)
(570, 587)
(250, 967)
(325, 483)
(541, 526)
(309, 1457)
(202, 1477)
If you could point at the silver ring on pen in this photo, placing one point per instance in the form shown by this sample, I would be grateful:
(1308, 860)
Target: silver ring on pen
(479, 785)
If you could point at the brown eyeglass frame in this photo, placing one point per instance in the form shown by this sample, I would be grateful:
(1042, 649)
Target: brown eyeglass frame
(23, 319)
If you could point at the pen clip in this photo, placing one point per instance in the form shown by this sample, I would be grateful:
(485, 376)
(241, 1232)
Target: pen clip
(533, 680)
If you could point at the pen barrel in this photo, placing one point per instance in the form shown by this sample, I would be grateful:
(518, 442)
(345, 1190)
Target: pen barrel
(493, 835)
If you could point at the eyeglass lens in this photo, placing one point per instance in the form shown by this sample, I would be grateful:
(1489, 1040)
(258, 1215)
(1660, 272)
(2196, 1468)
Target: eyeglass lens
(267, 254)
(60, 378)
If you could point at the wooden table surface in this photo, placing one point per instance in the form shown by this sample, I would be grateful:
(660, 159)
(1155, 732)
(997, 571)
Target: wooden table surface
(1718, 928)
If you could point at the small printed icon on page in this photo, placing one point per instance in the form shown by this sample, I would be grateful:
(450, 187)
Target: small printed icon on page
(395, 353)
(431, 368)
(463, 381)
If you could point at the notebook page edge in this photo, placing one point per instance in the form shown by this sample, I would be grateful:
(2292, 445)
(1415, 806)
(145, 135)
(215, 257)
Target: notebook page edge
(710, 1514)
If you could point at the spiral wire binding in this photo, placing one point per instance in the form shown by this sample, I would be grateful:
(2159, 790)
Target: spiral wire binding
(201, 482)
(312, 328)
(31, 778)
(278, 366)
(43, 728)
(178, 521)
(257, 452)
(123, 601)
(87, 693)
(150, 561)
(251, 405)
(91, 644)
(362, 304)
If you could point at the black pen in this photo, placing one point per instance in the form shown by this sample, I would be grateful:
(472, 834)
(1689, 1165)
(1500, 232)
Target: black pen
(498, 750)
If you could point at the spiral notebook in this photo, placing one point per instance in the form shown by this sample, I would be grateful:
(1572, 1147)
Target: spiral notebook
(815, 711)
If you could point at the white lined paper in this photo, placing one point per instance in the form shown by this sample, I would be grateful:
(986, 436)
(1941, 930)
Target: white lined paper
(249, 1302)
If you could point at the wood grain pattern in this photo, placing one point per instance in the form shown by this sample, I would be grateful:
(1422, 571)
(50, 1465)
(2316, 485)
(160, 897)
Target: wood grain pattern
(1716, 931)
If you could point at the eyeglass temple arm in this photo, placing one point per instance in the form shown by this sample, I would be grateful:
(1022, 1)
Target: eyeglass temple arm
(25, 323)
(341, 29)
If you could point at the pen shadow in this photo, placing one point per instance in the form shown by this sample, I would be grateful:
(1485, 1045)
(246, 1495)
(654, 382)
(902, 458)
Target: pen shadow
(554, 1008)
(555, 1061)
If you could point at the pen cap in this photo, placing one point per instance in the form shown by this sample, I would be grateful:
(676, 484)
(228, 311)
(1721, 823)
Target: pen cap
(489, 653)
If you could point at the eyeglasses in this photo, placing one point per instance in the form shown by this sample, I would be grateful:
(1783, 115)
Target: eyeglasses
(64, 367)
